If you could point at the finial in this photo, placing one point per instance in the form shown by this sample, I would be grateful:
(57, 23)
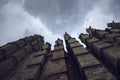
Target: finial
(90, 27)
(113, 21)
(65, 32)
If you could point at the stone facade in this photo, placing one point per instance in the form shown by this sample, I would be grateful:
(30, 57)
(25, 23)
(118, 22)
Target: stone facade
(31, 58)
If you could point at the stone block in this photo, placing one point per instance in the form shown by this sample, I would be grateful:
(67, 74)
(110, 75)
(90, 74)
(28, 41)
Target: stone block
(28, 40)
(47, 46)
(76, 44)
(101, 34)
(111, 57)
(117, 40)
(72, 40)
(28, 48)
(98, 73)
(55, 67)
(98, 47)
(9, 49)
(58, 54)
(19, 55)
(60, 47)
(90, 41)
(35, 45)
(30, 73)
(115, 30)
(114, 25)
(39, 53)
(6, 67)
(79, 50)
(87, 60)
(20, 43)
(111, 37)
(83, 37)
(38, 60)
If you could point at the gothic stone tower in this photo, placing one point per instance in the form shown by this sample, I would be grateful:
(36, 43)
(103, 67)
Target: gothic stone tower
(31, 58)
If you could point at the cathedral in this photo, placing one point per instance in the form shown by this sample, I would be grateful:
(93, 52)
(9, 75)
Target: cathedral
(31, 58)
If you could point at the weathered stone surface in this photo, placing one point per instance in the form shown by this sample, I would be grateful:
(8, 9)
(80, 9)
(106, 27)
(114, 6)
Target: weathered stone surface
(28, 70)
(30, 73)
(101, 34)
(6, 67)
(9, 49)
(117, 39)
(20, 43)
(13, 68)
(111, 57)
(39, 53)
(28, 48)
(114, 25)
(87, 60)
(115, 30)
(38, 60)
(62, 76)
(40, 43)
(58, 55)
(55, 67)
(19, 55)
(28, 40)
(35, 45)
(111, 37)
(59, 47)
(79, 50)
(76, 44)
(46, 46)
(72, 40)
(83, 37)
(90, 41)
(98, 73)
(99, 46)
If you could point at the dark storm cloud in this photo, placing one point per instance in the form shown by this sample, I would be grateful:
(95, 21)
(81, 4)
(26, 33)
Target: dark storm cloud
(16, 23)
(50, 18)
(114, 8)
(60, 14)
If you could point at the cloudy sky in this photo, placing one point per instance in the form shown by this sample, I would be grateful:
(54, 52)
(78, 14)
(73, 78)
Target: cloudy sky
(51, 18)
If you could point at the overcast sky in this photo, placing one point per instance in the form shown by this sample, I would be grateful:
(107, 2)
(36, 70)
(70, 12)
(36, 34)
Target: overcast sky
(51, 18)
